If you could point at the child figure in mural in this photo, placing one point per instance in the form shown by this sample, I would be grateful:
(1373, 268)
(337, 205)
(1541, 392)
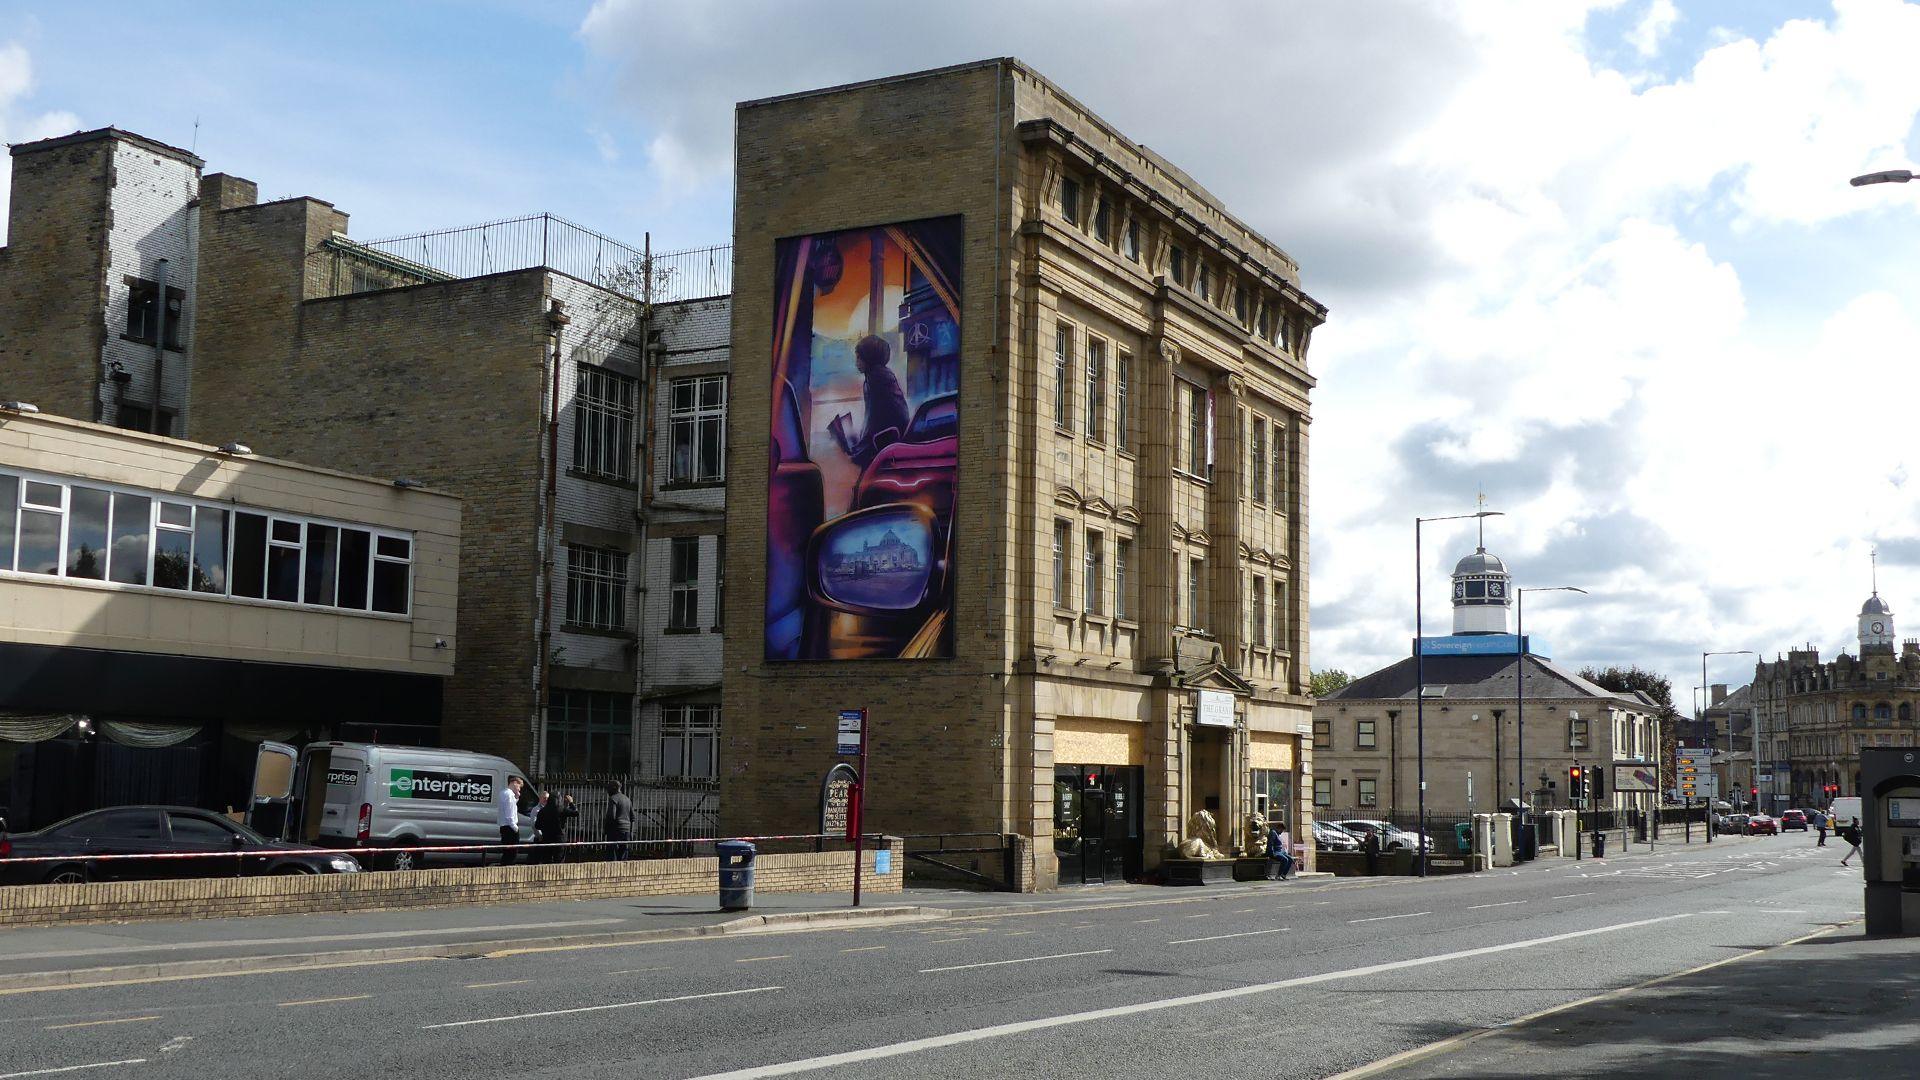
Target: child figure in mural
(886, 402)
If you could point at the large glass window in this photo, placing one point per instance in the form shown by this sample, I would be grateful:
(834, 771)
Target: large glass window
(1322, 791)
(87, 510)
(689, 741)
(683, 578)
(1259, 460)
(589, 731)
(1369, 791)
(1096, 388)
(1123, 400)
(1095, 572)
(141, 539)
(1062, 583)
(1323, 734)
(596, 587)
(1258, 608)
(1196, 593)
(1062, 378)
(1199, 459)
(1278, 461)
(127, 545)
(1122, 577)
(698, 419)
(603, 412)
(1365, 734)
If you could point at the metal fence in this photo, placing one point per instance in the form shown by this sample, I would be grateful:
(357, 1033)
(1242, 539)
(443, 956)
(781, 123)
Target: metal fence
(344, 266)
(662, 809)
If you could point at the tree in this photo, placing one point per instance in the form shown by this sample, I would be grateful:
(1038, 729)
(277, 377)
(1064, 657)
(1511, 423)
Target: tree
(1658, 687)
(1328, 681)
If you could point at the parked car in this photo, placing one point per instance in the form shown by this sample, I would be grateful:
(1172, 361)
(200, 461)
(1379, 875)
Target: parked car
(1734, 823)
(1392, 837)
(77, 843)
(1331, 837)
(1793, 819)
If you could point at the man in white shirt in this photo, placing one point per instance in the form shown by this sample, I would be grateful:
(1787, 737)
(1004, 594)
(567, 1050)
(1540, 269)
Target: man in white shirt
(508, 806)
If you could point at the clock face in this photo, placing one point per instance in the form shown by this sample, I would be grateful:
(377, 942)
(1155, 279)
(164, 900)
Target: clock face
(1494, 588)
(1879, 628)
(1459, 589)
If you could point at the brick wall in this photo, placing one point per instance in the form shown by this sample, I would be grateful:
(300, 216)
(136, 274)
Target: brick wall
(213, 898)
(53, 283)
(442, 383)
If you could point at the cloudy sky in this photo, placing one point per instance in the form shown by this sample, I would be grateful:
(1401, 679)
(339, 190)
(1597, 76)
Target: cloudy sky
(1598, 260)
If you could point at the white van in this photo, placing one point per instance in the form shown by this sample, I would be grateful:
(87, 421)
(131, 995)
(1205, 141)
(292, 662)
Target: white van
(366, 795)
(1844, 811)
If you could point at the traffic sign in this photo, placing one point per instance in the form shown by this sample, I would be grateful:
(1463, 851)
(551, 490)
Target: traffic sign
(847, 738)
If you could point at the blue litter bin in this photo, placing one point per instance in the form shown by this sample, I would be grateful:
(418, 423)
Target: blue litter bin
(736, 874)
(1599, 845)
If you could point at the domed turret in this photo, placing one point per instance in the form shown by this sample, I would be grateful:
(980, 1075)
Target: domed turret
(1482, 593)
(1876, 618)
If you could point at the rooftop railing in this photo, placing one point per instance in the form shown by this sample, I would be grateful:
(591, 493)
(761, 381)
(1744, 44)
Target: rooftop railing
(343, 266)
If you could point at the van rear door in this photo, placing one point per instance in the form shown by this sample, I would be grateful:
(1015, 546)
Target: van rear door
(273, 767)
(343, 772)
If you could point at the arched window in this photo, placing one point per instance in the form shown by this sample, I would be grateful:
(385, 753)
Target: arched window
(1883, 711)
(1906, 711)
(1859, 711)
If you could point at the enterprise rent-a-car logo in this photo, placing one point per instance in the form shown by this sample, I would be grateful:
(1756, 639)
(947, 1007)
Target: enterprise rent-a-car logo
(453, 787)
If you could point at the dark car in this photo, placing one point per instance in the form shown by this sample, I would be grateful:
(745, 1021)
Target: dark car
(76, 844)
(1793, 819)
(1392, 837)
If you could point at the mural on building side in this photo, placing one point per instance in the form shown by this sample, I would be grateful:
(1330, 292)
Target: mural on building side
(865, 425)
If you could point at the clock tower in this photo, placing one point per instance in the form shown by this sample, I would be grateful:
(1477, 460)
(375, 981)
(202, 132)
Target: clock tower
(1876, 618)
(1482, 593)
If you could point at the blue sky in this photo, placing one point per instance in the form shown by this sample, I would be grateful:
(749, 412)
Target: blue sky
(1594, 257)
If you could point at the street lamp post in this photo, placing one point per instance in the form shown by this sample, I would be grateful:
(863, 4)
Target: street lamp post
(1706, 703)
(1420, 675)
(1520, 682)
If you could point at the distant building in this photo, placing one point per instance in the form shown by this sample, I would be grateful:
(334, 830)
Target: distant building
(1478, 753)
(1814, 717)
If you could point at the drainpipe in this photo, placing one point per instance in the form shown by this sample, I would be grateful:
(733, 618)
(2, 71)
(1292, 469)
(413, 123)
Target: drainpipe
(648, 396)
(556, 321)
(159, 341)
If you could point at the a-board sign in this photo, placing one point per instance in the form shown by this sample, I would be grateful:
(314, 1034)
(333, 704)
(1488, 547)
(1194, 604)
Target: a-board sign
(836, 799)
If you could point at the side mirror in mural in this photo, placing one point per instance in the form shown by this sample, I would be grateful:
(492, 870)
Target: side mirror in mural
(877, 561)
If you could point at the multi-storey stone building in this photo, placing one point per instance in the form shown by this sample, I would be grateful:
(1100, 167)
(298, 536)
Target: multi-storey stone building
(516, 364)
(1024, 477)
(1487, 739)
(1814, 717)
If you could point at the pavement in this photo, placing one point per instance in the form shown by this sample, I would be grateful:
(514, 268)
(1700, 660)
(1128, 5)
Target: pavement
(1293, 979)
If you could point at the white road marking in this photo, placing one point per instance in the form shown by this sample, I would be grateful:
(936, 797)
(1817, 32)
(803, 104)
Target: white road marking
(757, 959)
(1503, 903)
(1382, 918)
(637, 971)
(1202, 915)
(1222, 937)
(1156, 919)
(588, 1009)
(73, 1068)
(176, 1043)
(1022, 960)
(864, 948)
(913, 1046)
(1020, 933)
(1571, 895)
(99, 1023)
(329, 1001)
(120, 950)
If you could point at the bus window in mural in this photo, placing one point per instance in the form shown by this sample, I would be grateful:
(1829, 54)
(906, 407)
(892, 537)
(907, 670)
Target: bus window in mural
(865, 443)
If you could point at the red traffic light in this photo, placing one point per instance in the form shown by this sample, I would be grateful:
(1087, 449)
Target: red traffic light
(1753, 791)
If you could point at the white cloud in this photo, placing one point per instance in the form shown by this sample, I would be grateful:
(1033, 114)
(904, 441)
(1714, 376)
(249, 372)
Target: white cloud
(1654, 26)
(18, 123)
(1542, 271)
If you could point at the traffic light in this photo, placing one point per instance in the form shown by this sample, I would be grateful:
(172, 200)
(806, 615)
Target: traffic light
(1576, 784)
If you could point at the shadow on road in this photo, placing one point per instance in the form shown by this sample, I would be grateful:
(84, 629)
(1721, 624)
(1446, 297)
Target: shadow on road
(1831, 1007)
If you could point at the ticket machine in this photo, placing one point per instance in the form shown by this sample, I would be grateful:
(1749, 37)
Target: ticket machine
(1890, 818)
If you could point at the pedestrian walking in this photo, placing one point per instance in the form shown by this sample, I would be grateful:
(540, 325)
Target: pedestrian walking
(550, 824)
(1851, 834)
(507, 803)
(618, 824)
(1820, 823)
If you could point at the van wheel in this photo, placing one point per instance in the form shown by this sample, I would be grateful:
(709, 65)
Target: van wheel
(66, 875)
(404, 860)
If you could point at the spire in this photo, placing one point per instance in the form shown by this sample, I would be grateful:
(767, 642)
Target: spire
(1482, 522)
(1874, 560)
